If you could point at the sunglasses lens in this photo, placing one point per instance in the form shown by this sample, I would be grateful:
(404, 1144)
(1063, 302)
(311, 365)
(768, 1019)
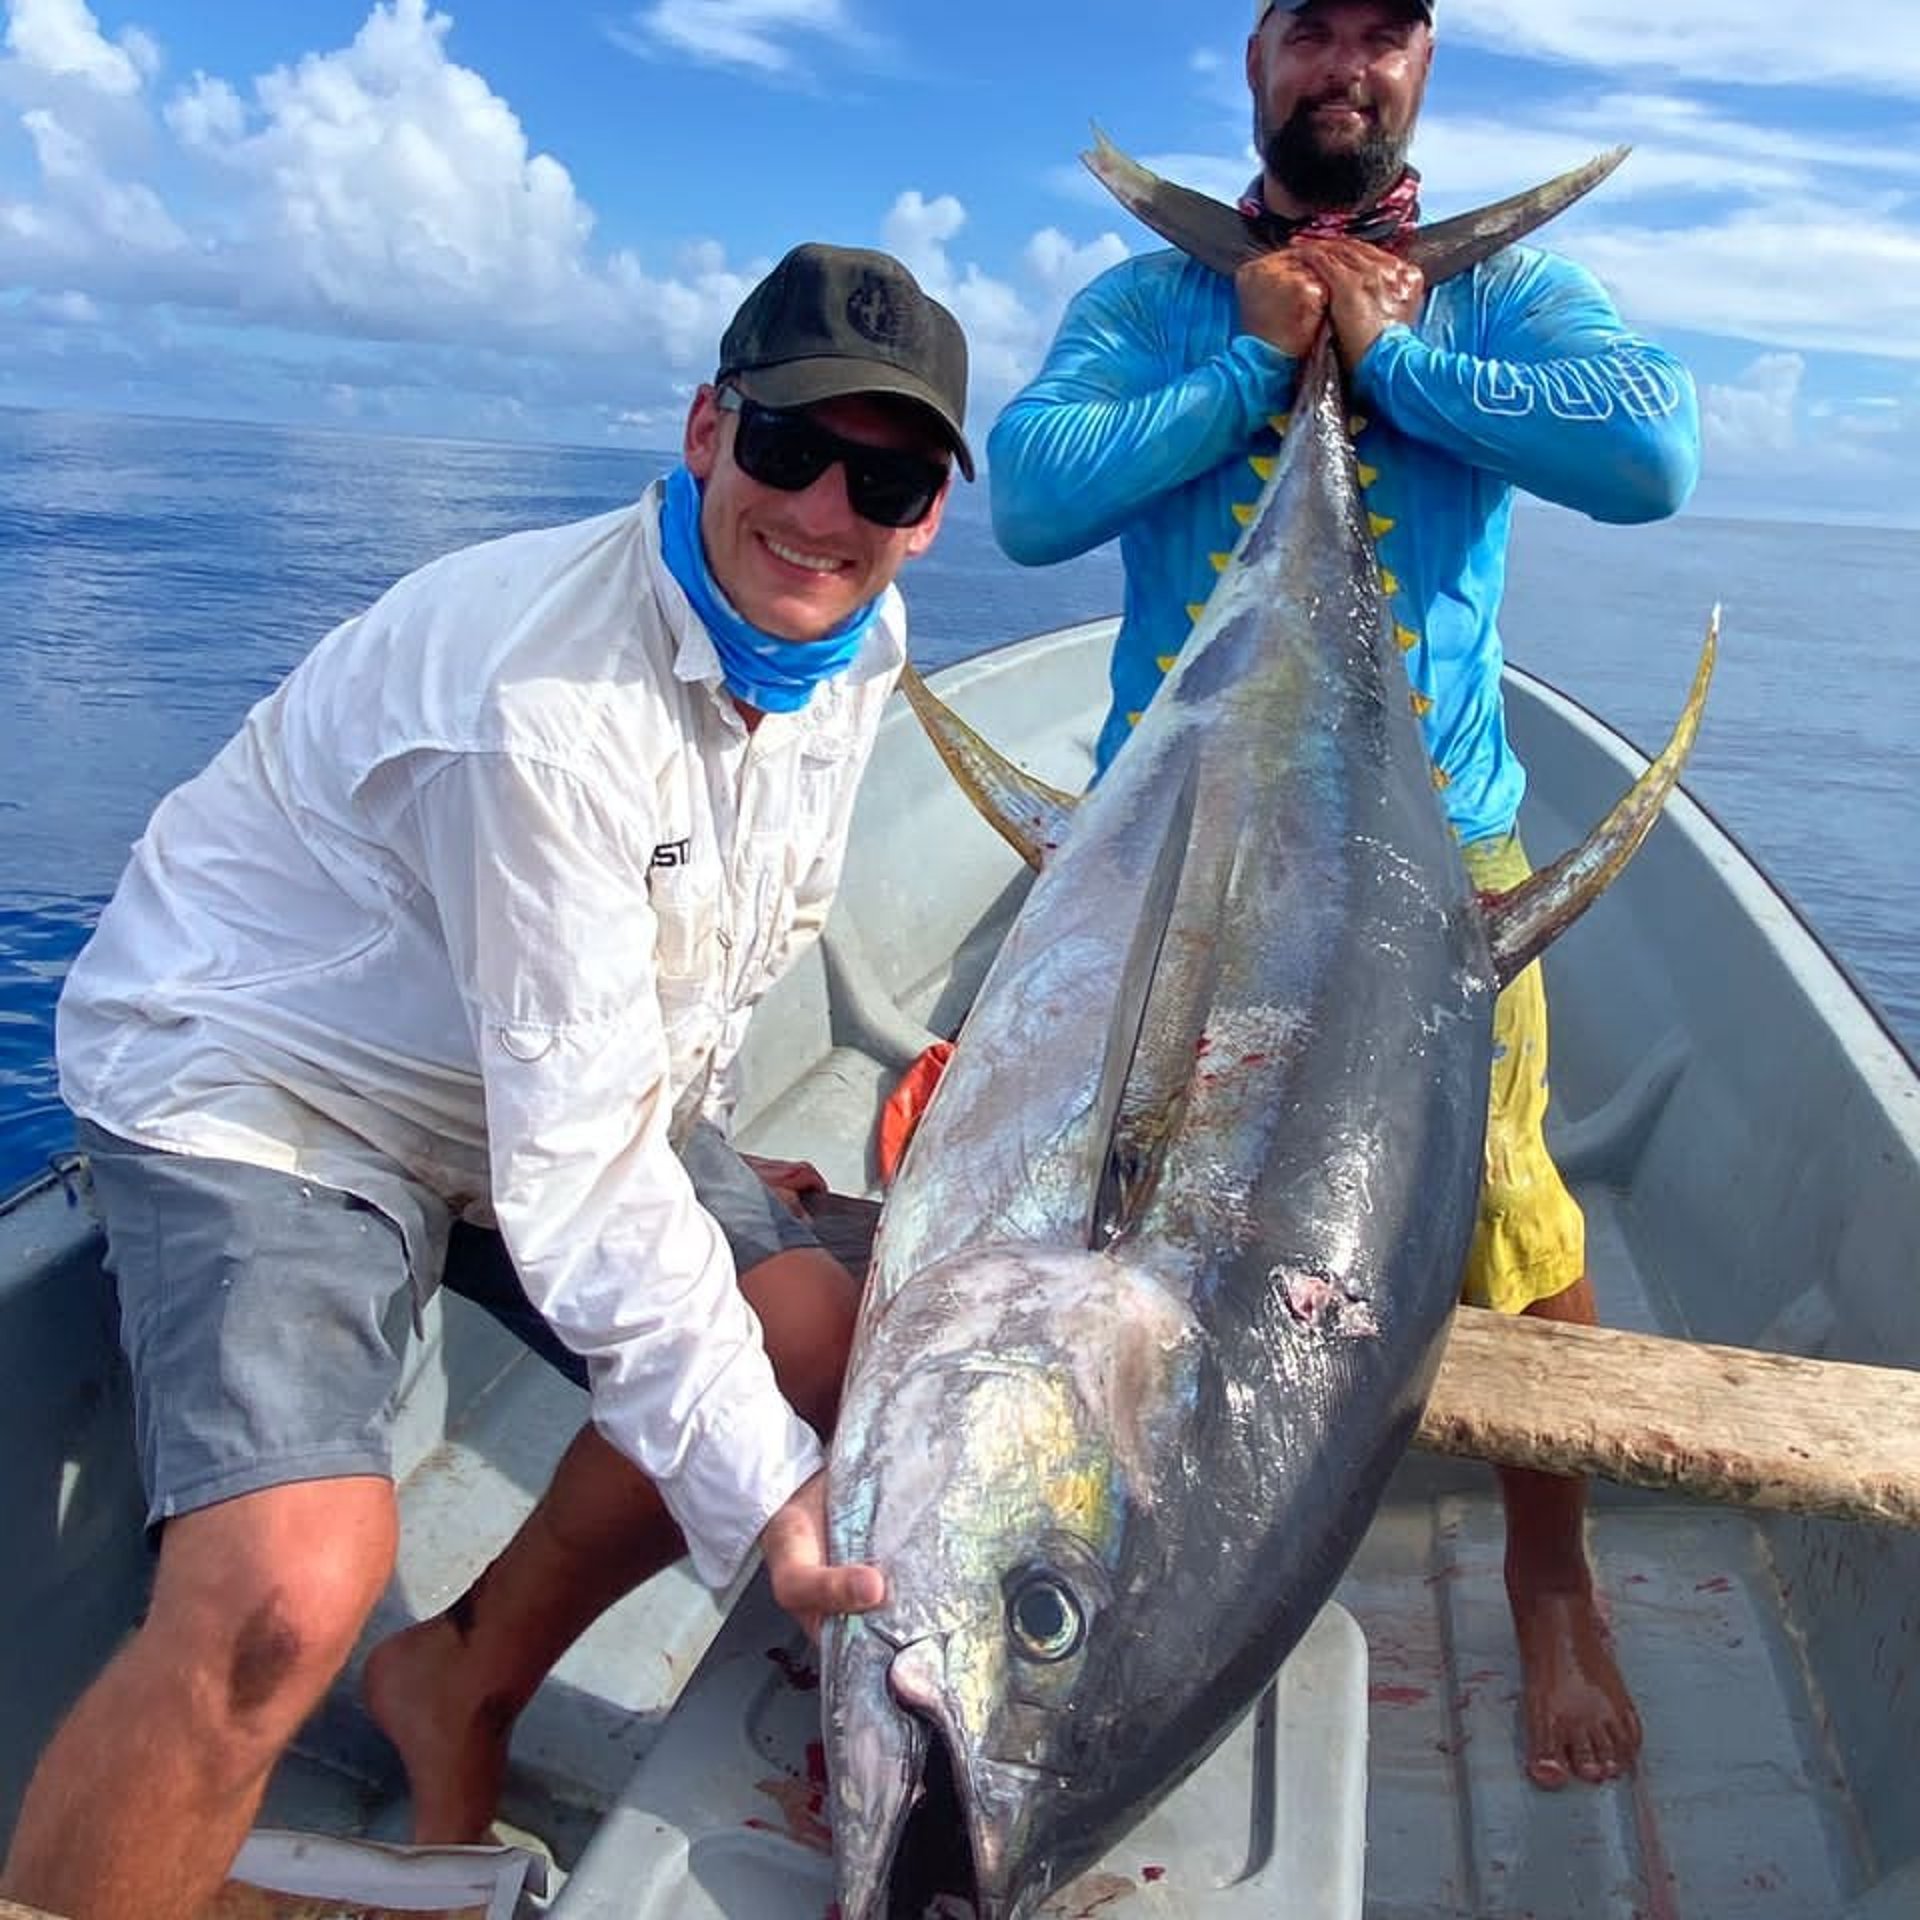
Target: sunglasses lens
(790, 452)
(782, 450)
(893, 489)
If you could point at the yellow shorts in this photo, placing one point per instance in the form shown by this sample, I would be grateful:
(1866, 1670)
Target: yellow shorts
(1530, 1241)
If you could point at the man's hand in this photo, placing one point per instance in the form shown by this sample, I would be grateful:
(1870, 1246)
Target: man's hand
(1369, 290)
(789, 1179)
(1283, 301)
(794, 1544)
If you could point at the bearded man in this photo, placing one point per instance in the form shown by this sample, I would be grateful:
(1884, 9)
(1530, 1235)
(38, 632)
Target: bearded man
(1163, 401)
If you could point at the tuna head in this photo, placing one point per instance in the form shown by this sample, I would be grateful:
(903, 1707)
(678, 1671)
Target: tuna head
(1009, 1456)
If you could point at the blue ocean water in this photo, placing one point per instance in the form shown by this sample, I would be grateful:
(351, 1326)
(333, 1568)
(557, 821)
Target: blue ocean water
(158, 576)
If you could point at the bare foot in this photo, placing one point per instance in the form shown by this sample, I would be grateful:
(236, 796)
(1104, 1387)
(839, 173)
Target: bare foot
(1580, 1719)
(454, 1748)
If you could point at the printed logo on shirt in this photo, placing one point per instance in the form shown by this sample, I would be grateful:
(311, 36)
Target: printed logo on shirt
(676, 853)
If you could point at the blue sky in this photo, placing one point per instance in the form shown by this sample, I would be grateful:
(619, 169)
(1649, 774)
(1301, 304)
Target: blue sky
(511, 220)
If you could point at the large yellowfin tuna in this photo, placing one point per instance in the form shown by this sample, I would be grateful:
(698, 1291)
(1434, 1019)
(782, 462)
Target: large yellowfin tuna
(1162, 1286)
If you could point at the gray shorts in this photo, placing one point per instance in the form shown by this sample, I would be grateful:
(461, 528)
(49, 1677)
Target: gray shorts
(265, 1319)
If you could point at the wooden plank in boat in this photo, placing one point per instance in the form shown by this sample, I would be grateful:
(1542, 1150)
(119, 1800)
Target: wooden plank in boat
(1719, 1423)
(1723, 1424)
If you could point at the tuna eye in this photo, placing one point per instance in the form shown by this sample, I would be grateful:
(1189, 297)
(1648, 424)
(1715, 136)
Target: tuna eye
(1045, 1619)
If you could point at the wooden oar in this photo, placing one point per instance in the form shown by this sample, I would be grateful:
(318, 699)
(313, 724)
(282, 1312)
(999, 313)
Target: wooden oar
(1715, 1423)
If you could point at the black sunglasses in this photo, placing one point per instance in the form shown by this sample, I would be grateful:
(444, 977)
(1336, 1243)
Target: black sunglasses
(787, 449)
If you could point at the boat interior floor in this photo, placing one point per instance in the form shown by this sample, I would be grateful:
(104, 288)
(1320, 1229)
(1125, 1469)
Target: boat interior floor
(1735, 1741)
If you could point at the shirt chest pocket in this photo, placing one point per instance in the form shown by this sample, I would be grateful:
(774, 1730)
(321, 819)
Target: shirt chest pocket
(687, 910)
(819, 777)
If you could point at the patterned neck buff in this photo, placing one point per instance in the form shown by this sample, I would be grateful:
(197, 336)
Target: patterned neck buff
(775, 675)
(1380, 224)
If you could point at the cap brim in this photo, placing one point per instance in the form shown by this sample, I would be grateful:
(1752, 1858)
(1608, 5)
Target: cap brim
(805, 383)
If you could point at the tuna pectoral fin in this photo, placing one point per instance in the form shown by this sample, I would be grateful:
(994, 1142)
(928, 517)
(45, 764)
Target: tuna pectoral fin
(1220, 237)
(1030, 816)
(1523, 923)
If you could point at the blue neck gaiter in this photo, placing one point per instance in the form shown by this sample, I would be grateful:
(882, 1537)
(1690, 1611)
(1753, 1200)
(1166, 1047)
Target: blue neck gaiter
(777, 676)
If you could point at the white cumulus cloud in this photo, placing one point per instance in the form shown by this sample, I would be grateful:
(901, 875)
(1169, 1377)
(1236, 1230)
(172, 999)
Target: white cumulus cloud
(1759, 413)
(61, 39)
(1008, 325)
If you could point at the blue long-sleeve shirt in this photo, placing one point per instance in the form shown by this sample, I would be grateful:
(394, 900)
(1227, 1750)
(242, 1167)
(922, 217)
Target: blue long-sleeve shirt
(1154, 420)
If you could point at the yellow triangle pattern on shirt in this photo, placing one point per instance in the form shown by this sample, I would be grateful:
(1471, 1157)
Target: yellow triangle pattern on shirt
(1358, 424)
(1441, 781)
(1369, 476)
(1244, 515)
(1193, 614)
(1381, 525)
(1407, 637)
(1389, 581)
(1280, 422)
(1422, 705)
(1166, 660)
(1263, 465)
(1133, 719)
(1221, 561)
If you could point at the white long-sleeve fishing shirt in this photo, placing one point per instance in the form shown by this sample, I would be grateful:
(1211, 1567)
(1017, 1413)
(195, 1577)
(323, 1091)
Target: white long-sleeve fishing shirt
(468, 920)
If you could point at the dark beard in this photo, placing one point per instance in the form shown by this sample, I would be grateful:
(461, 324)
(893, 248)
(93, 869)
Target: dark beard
(1332, 182)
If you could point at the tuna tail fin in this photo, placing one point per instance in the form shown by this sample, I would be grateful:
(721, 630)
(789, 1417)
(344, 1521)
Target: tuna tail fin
(1450, 247)
(1522, 924)
(1220, 237)
(1030, 816)
(1215, 234)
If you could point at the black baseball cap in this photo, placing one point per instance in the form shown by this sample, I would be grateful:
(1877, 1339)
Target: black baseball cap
(1261, 8)
(831, 321)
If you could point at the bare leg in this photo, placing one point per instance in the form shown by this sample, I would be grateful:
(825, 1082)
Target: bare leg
(1579, 1717)
(447, 1692)
(140, 1804)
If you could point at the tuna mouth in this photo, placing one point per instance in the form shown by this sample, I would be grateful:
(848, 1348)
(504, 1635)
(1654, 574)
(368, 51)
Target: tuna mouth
(934, 1875)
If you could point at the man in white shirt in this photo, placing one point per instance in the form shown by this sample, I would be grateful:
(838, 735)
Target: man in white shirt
(454, 947)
